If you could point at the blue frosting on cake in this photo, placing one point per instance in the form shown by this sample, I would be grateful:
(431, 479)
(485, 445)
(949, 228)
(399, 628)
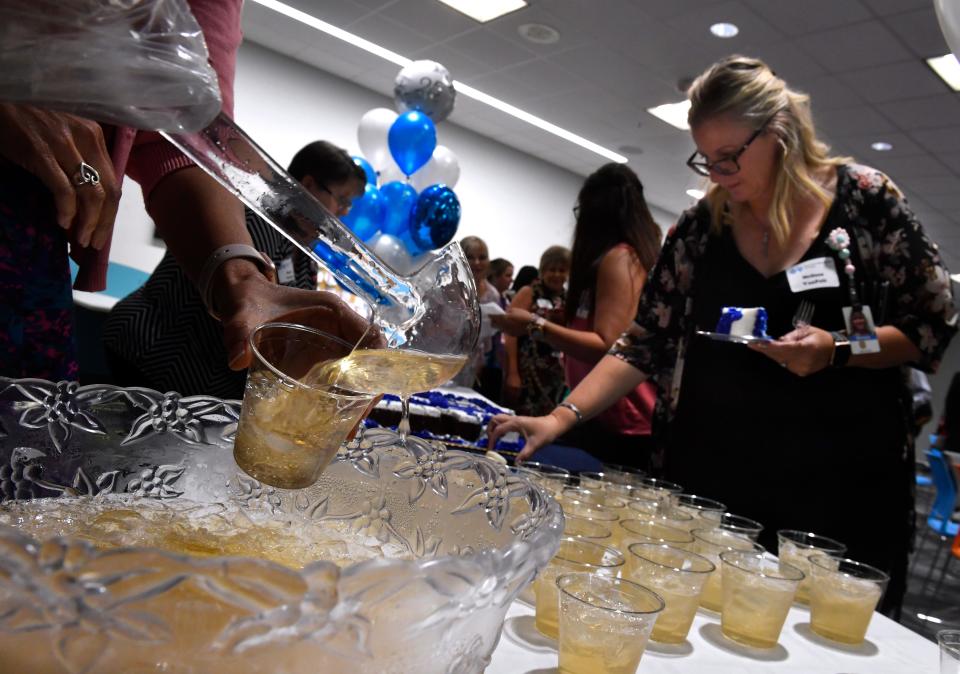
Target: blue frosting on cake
(473, 411)
(730, 315)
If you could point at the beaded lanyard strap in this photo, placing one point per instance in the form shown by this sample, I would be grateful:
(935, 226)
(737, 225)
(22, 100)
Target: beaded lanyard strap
(839, 240)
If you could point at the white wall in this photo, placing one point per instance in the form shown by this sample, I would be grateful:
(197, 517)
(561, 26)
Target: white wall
(517, 203)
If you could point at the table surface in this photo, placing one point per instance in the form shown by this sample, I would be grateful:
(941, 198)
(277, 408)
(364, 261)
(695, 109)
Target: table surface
(890, 648)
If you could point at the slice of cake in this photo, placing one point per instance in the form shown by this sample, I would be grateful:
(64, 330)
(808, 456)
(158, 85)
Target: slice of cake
(743, 322)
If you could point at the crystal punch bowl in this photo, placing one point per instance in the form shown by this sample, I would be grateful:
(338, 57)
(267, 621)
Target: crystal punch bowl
(464, 536)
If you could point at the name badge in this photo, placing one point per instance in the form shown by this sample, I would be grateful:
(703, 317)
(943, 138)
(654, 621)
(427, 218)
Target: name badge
(820, 272)
(285, 273)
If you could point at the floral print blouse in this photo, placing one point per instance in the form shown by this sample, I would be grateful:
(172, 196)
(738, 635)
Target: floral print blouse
(891, 243)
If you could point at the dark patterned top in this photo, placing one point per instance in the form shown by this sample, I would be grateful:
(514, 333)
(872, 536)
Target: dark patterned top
(889, 238)
(540, 365)
(164, 331)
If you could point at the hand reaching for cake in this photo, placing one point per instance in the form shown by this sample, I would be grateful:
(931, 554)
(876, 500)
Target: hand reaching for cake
(803, 351)
(538, 431)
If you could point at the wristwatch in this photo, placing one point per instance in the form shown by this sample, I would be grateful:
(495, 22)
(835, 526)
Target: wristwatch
(535, 327)
(841, 349)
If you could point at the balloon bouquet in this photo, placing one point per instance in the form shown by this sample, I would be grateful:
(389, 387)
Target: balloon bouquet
(408, 206)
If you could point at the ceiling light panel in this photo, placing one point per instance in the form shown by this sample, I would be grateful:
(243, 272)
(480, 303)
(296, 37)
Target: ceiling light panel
(947, 67)
(485, 10)
(674, 114)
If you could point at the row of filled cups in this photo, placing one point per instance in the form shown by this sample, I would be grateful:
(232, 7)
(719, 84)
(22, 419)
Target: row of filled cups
(639, 557)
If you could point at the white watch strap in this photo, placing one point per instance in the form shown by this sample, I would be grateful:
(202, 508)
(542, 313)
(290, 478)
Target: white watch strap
(221, 255)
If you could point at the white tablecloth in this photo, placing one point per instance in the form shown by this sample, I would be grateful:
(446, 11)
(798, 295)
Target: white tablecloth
(889, 649)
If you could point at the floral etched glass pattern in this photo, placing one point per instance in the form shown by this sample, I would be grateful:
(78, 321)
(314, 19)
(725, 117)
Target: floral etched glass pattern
(470, 532)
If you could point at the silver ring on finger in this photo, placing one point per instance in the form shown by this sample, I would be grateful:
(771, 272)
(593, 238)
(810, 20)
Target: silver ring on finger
(86, 175)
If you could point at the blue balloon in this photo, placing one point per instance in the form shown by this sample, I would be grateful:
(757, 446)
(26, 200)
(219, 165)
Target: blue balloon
(366, 215)
(412, 139)
(399, 200)
(367, 169)
(435, 218)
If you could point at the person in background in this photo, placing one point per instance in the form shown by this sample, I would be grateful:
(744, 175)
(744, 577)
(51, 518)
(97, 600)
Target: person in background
(162, 337)
(60, 178)
(615, 245)
(500, 275)
(798, 432)
(534, 368)
(524, 277)
(479, 258)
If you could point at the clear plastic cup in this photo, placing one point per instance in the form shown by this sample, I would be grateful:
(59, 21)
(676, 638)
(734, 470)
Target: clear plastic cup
(678, 519)
(697, 505)
(735, 523)
(949, 641)
(594, 480)
(290, 428)
(595, 497)
(632, 531)
(710, 543)
(575, 554)
(794, 547)
(843, 596)
(757, 594)
(644, 507)
(678, 576)
(605, 623)
(623, 474)
(590, 511)
(657, 489)
(582, 527)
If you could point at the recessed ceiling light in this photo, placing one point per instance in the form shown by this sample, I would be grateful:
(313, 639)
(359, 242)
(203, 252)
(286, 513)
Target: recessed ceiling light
(485, 10)
(462, 89)
(929, 618)
(724, 30)
(948, 68)
(696, 194)
(674, 114)
(881, 146)
(539, 33)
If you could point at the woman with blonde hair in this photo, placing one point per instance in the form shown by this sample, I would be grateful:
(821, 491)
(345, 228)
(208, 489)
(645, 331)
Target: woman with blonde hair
(533, 368)
(797, 432)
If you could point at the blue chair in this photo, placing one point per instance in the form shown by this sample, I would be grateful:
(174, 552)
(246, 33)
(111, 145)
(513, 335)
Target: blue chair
(945, 482)
(945, 500)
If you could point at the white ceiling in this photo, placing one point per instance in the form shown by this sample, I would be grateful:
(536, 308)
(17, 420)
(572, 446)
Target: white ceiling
(861, 60)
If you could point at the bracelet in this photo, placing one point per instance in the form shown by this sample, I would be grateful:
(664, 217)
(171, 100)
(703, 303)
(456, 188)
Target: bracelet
(536, 327)
(221, 255)
(573, 408)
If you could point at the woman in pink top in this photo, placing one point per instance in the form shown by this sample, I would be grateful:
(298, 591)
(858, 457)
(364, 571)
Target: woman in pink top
(615, 244)
(43, 209)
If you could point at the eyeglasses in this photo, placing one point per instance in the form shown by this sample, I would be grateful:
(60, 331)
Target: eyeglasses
(726, 166)
(343, 202)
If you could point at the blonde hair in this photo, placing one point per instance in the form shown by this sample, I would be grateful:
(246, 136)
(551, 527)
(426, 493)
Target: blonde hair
(749, 90)
(555, 256)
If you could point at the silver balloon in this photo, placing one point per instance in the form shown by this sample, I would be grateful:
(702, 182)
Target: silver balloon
(425, 86)
(948, 14)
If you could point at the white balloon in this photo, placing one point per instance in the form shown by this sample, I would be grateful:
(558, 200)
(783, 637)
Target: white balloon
(391, 173)
(372, 136)
(443, 167)
(948, 14)
(391, 252)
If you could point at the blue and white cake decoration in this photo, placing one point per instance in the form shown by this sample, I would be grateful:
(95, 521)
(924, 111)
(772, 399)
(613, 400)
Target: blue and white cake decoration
(743, 322)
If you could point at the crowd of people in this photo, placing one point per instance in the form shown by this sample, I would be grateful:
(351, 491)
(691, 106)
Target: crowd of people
(598, 346)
